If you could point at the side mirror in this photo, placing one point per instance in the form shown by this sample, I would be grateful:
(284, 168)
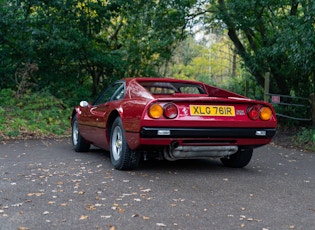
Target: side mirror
(84, 104)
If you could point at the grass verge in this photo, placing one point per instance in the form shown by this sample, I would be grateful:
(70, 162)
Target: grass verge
(32, 115)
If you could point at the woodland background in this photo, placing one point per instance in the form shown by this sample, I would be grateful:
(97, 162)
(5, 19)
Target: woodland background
(55, 53)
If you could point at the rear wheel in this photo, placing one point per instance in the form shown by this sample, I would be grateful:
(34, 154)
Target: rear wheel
(239, 159)
(122, 157)
(78, 142)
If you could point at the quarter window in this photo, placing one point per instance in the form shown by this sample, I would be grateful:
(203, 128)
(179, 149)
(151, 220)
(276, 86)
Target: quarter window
(114, 92)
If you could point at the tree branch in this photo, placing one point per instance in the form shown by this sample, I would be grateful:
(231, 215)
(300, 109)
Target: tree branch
(294, 7)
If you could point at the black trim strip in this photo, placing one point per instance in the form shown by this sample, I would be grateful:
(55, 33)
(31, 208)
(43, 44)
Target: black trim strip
(151, 132)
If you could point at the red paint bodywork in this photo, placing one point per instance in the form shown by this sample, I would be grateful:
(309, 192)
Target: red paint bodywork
(95, 120)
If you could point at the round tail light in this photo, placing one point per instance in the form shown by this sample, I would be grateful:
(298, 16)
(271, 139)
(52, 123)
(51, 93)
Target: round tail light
(170, 111)
(265, 113)
(259, 111)
(155, 111)
(253, 112)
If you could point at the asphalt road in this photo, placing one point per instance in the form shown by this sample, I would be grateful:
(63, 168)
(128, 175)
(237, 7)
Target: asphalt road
(44, 184)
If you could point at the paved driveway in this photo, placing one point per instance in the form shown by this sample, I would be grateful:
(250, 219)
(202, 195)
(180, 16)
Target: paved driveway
(44, 184)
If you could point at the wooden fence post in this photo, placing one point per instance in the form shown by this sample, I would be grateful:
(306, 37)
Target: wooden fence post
(267, 81)
(312, 97)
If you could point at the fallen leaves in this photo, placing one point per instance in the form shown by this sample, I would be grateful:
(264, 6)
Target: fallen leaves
(23, 228)
(51, 184)
(83, 217)
(145, 218)
(62, 182)
(121, 210)
(36, 194)
(75, 191)
(160, 225)
(118, 208)
(17, 205)
(111, 227)
(20, 204)
(250, 219)
(90, 207)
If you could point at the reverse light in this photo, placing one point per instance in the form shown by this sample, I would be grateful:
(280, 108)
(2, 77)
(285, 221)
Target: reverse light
(170, 111)
(155, 111)
(164, 132)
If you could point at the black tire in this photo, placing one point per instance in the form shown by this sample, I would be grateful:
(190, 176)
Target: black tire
(239, 159)
(78, 142)
(122, 157)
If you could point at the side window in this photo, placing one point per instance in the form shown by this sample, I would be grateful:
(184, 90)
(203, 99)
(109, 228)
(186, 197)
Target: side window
(120, 93)
(114, 92)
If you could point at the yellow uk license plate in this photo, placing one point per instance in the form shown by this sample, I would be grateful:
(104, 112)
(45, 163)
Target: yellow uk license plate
(212, 110)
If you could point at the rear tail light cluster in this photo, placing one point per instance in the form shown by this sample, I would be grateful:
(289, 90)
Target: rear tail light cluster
(256, 112)
(169, 111)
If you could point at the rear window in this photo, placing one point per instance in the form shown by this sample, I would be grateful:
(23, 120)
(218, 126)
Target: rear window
(172, 88)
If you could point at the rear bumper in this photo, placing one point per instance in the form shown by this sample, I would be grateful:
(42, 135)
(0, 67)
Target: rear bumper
(155, 137)
(156, 132)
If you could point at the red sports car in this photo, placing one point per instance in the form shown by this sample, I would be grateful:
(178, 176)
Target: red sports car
(174, 119)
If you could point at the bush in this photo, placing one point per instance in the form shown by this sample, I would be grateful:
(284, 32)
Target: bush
(306, 138)
(32, 115)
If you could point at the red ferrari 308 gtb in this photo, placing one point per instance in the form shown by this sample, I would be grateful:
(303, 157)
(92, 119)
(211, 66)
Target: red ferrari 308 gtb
(176, 119)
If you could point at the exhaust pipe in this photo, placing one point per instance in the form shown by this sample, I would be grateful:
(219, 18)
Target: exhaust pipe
(176, 152)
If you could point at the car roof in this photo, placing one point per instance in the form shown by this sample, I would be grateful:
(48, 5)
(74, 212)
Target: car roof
(155, 79)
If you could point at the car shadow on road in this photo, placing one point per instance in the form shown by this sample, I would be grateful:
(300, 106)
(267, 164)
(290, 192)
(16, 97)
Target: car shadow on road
(208, 164)
(204, 165)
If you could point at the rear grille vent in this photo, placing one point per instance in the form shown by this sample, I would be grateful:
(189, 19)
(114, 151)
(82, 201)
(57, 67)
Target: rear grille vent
(217, 142)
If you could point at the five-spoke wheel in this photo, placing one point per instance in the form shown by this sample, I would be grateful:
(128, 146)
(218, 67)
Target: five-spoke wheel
(122, 157)
(78, 142)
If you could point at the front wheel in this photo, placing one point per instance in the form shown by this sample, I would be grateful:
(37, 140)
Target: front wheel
(239, 159)
(78, 142)
(122, 157)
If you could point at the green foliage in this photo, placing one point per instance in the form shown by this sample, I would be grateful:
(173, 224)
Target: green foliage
(271, 36)
(213, 64)
(90, 42)
(245, 84)
(306, 138)
(32, 115)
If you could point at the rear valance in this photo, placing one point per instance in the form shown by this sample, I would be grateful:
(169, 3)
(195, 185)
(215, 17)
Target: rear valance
(156, 132)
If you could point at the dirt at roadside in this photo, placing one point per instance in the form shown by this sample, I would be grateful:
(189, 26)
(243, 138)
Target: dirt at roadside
(284, 139)
(287, 138)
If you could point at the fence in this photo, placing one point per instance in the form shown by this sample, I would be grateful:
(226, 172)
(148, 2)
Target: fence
(294, 108)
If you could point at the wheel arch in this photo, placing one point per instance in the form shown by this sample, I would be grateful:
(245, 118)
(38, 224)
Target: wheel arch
(74, 112)
(111, 118)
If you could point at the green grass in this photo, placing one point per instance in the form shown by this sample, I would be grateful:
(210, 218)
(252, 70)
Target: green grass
(32, 115)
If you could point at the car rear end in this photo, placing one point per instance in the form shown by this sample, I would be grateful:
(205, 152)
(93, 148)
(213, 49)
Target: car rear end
(207, 122)
(195, 120)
